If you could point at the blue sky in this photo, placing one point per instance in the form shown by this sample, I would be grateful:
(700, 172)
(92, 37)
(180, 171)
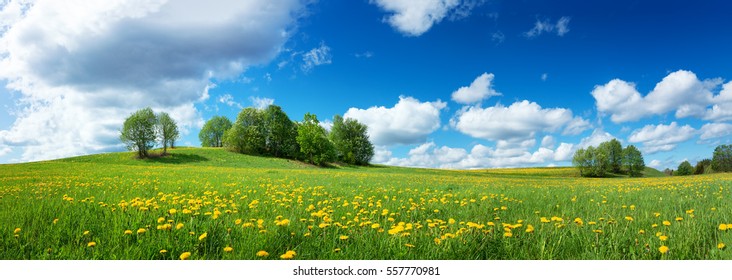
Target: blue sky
(441, 83)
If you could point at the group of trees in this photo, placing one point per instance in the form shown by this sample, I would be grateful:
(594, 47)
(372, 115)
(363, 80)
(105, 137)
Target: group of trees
(609, 157)
(721, 161)
(270, 132)
(143, 129)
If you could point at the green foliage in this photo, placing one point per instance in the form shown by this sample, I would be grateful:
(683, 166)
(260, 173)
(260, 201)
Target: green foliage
(247, 134)
(703, 167)
(313, 140)
(212, 133)
(722, 158)
(614, 151)
(167, 131)
(279, 133)
(633, 161)
(351, 141)
(684, 169)
(138, 131)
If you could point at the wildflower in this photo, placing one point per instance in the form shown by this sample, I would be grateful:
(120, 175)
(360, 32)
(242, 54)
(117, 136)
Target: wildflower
(507, 234)
(529, 228)
(336, 250)
(641, 231)
(343, 237)
(578, 221)
(86, 232)
(375, 226)
(55, 221)
(91, 244)
(16, 231)
(203, 236)
(161, 220)
(185, 255)
(283, 223)
(656, 214)
(163, 251)
(723, 227)
(228, 249)
(544, 220)
(288, 255)
(663, 238)
(409, 245)
(679, 219)
(721, 246)
(597, 230)
(654, 225)
(179, 226)
(437, 241)
(666, 223)
(629, 218)
(663, 249)
(141, 231)
(172, 211)
(128, 232)
(262, 254)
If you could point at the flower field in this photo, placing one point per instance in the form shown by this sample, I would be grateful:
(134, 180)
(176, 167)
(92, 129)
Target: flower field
(210, 204)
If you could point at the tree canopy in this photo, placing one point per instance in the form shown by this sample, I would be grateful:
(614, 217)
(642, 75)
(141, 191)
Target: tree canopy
(212, 133)
(313, 140)
(351, 141)
(167, 131)
(608, 158)
(138, 131)
(684, 169)
(722, 158)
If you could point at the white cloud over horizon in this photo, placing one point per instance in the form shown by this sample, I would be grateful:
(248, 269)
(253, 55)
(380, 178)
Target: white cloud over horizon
(480, 89)
(545, 26)
(81, 67)
(661, 138)
(414, 18)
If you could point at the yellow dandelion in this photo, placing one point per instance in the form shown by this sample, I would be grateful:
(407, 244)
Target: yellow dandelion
(55, 221)
(185, 255)
(343, 237)
(16, 231)
(507, 234)
(161, 220)
(262, 254)
(375, 226)
(641, 231)
(336, 250)
(679, 219)
(663, 249)
(723, 227)
(228, 249)
(163, 251)
(141, 231)
(597, 230)
(128, 232)
(179, 226)
(91, 244)
(203, 236)
(86, 232)
(629, 218)
(666, 223)
(409, 245)
(721, 246)
(663, 238)
(544, 220)
(288, 255)
(578, 221)
(654, 225)
(172, 211)
(437, 241)
(529, 228)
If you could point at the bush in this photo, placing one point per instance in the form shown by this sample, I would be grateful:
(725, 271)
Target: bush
(684, 169)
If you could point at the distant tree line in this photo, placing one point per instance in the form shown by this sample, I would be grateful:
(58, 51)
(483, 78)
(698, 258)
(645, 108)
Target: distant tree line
(143, 129)
(270, 132)
(609, 158)
(721, 161)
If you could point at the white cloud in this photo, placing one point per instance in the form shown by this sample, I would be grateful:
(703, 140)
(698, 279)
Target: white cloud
(261, 102)
(413, 18)
(4, 150)
(81, 67)
(498, 37)
(408, 122)
(598, 136)
(519, 121)
(661, 138)
(715, 130)
(541, 26)
(680, 92)
(655, 164)
(721, 109)
(576, 126)
(481, 88)
(229, 100)
(315, 57)
(327, 124)
(547, 142)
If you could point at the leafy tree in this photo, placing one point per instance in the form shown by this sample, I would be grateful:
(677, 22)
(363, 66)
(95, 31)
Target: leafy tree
(614, 151)
(669, 172)
(247, 133)
(583, 162)
(212, 133)
(722, 158)
(138, 131)
(633, 161)
(279, 133)
(600, 161)
(167, 130)
(313, 141)
(703, 166)
(351, 141)
(684, 169)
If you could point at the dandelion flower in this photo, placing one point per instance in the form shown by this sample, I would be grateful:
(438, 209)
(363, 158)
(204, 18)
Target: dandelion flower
(86, 232)
(343, 237)
(203, 236)
(544, 220)
(228, 249)
(161, 220)
(16, 231)
(172, 211)
(409, 245)
(529, 228)
(288, 255)
(55, 221)
(163, 251)
(629, 218)
(437, 241)
(375, 226)
(666, 223)
(723, 227)
(262, 254)
(141, 231)
(179, 226)
(128, 232)
(597, 230)
(679, 219)
(641, 232)
(507, 234)
(185, 255)
(663, 249)
(336, 250)
(663, 238)
(721, 246)
(91, 244)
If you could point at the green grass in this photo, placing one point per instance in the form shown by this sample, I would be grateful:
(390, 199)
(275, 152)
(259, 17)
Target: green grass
(445, 214)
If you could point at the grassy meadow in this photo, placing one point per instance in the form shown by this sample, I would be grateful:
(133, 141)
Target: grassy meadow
(210, 204)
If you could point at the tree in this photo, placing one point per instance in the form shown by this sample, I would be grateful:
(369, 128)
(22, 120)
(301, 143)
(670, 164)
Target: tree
(279, 133)
(583, 162)
(138, 131)
(633, 161)
(722, 158)
(212, 133)
(600, 161)
(684, 169)
(247, 134)
(703, 166)
(351, 141)
(614, 151)
(167, 130)
(313, 140)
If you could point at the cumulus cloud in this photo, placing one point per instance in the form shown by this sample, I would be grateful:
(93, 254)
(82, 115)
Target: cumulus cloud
(81, 67)
(661, 138)
(315, 57)
(481, 88)
(680, 92)
(541, 26)
(413, 18)
(260, 102)
(576, 126)
(598, 136)
(715, 130)
(229, 100)
(408, 122)
(519, 121)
